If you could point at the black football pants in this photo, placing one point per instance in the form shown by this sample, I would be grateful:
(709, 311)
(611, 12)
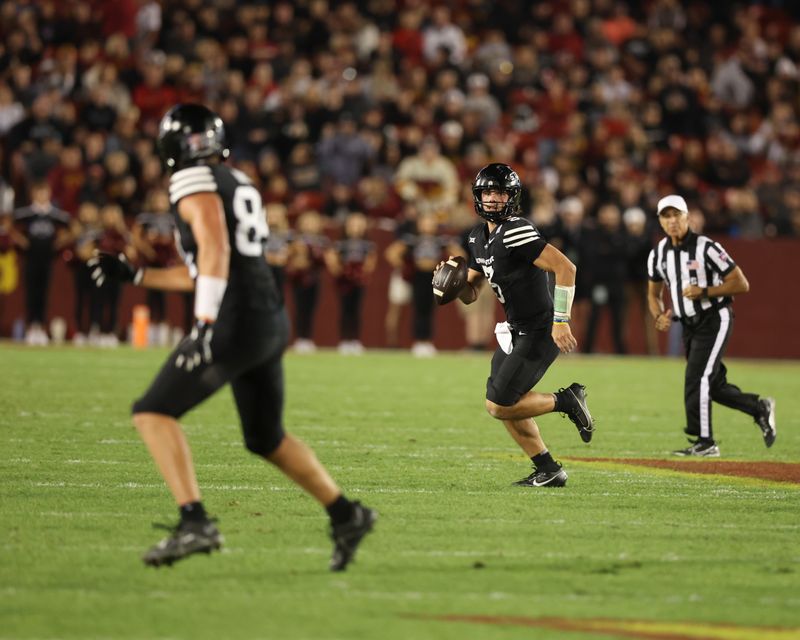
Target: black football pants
(706, 375)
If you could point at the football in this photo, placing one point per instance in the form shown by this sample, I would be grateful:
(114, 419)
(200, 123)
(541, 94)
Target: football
(449, 280)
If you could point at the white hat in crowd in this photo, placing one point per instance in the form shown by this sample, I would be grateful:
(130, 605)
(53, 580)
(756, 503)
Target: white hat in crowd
(634, 215)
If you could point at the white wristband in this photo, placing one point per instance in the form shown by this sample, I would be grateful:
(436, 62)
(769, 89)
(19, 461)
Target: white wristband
(208, 293)
(562, 302)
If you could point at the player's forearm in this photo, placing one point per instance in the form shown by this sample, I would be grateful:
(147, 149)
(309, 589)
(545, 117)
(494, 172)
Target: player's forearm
(564, 272)
(734, 283)
(655, 305)
(167, 279)
(655, 300)
(213, 255)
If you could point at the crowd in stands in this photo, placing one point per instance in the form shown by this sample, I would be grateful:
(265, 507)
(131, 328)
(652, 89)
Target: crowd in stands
(382, 111)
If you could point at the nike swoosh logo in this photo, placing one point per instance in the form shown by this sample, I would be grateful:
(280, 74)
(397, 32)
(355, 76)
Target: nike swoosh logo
(542, 484)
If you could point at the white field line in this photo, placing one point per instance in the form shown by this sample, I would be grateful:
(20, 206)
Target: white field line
(60, 484)
(476, 521)
(500, 490)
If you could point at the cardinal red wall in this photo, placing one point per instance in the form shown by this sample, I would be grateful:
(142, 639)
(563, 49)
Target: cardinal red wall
(767, 318)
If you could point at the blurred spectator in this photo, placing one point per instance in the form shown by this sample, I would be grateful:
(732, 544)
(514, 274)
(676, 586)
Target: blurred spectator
(638, 249)
(11, 111)
(46, 231)
(442, 40)
(114, 238)
(304, 271)
(351, 261)
(416, 254)
(377, 198)
(302, 170)
(152, 236)
(67, 178)
(605, 257)
(10, 242)
(343, 154)
(730, 83)
(407, 37)
(341, 203)
(399, 291)
(481, 102)
(86, 231)
(428, 179)
(38, 137)
(745, 214)
(153, 95)
(99, 114)
(568, 236)
(276, 252)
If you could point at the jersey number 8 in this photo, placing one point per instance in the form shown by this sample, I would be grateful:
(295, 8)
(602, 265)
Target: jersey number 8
(251, 227)
(489, 272)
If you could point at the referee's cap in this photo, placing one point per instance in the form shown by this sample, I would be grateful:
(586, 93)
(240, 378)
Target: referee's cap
(676, 202)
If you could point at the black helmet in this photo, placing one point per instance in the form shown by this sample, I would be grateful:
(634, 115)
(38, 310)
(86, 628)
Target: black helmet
(502, 178)
(189, 134)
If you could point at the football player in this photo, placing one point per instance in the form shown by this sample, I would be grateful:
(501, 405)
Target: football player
(508, 252)
(239, 336)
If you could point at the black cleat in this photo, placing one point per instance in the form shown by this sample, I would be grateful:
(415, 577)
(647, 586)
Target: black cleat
(187, 538)
(575, 398)
(347, 536)
(552, 478)
(765, 419)
(699, 449)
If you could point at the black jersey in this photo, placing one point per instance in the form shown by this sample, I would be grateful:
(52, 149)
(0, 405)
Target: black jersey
(250, 281)
(506, 257)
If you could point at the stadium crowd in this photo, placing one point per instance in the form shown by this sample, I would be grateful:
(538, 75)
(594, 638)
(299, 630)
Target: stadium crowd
(376, 114)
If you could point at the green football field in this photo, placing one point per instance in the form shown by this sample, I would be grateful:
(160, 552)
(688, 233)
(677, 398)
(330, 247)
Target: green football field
(624, 550)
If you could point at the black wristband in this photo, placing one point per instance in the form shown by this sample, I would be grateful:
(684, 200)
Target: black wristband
(705, 292)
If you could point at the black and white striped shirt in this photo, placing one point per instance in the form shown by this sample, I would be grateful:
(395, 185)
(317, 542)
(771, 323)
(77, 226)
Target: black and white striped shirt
(697, 260)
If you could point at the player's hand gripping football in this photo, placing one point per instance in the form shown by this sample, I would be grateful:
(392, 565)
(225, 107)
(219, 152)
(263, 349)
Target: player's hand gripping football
(107, 267)
(562, 336)
(449, 278)
(195, 349)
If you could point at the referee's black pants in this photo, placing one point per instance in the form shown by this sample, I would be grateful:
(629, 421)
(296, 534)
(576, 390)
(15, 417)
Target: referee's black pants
(705, 340)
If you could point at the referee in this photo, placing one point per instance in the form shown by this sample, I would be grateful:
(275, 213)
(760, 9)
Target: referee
(701, 278)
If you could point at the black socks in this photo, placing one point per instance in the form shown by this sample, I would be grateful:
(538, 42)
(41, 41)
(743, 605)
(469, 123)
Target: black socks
(560, 404)
(340, 510)
(544, 461)
(193, 512)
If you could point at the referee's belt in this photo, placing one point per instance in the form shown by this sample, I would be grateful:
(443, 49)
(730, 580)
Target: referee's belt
(698, 319)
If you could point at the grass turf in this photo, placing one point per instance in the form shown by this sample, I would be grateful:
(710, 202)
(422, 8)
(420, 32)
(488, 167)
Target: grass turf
(409, 437)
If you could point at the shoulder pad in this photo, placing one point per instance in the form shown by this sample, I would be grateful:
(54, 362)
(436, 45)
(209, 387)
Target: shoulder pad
(191, 180)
